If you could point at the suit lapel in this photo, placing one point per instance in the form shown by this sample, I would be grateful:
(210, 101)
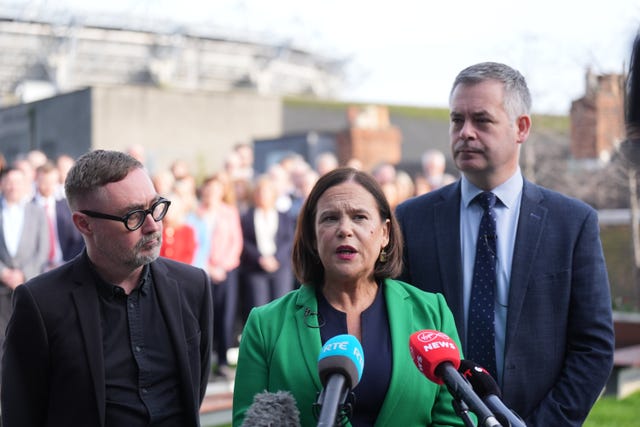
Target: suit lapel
(528, 237)
(169, 300)
(85, 298)
(401, 326)
(447, 234)
(308, 335)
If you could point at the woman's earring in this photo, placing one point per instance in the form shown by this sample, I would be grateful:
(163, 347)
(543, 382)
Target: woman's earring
(383, 256)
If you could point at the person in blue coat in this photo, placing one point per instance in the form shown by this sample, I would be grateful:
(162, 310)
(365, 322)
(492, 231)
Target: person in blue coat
(553, 331)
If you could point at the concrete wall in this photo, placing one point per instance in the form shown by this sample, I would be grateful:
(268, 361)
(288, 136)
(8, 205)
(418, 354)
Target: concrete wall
(197, 127)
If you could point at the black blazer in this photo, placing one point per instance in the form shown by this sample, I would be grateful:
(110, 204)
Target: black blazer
(559, 337)
(53, 367)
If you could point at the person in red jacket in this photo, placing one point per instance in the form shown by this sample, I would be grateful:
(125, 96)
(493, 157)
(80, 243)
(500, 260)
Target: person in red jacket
(178, 238)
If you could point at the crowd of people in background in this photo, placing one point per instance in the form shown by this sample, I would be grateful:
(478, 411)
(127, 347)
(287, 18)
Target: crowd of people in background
(234, 223)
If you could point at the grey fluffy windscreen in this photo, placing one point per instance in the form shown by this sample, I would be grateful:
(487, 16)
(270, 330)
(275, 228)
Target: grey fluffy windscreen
(272, 410)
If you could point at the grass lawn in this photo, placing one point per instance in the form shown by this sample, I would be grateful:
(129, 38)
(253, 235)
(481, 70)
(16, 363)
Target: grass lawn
(611, 412)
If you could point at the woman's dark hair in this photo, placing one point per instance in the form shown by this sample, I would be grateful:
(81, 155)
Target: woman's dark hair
(306, 263)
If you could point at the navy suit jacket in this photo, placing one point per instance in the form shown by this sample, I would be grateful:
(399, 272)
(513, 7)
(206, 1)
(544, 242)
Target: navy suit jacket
(559, 336)
(53, 366)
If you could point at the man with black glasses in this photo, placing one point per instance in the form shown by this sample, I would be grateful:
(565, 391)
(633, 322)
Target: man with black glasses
(117, 336)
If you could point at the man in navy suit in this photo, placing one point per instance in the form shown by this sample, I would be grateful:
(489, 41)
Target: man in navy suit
(66, 241)
(117, 336)
(552, 323)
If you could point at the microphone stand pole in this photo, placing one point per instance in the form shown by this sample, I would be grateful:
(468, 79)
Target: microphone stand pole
(462, 410)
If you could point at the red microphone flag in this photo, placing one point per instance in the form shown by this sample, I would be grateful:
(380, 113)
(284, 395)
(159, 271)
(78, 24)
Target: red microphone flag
(429, 349)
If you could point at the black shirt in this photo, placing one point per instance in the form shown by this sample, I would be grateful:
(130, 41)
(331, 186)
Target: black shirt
(376, 346)
(141, 376)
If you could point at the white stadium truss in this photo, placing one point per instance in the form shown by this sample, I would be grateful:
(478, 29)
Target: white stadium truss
(40, 58)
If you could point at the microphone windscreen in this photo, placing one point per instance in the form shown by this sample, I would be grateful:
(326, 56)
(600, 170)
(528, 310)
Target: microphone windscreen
(482, 382)
(272, 410)
(431, 348)
(341, 354)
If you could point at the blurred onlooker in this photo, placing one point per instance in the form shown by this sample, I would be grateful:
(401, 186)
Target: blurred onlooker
(178, 237)
(225, 246)
(354, 163)
(233, 165)
(36, 158)
(243, 190)
(384, 173)
(25, 240)
(433, 169)
(266, 255)
(421, 185)
(64, 162)
(283, 187)
(29, 172)
(137, 151)
(186, 189)
(246, 155)
(180, 169)
(304, 178)
(405, 185)
(325, 162)
(390, 193)
(163, 182)
(65, 241)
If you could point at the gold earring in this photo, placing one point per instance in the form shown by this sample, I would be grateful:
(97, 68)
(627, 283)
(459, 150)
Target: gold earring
(383, 256)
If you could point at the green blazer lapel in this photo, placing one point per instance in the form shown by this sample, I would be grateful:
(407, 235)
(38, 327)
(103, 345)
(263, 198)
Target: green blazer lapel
(401, 324)
(308, 330)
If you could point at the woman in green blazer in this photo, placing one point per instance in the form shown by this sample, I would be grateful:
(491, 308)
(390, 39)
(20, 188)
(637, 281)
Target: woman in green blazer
(346, 249)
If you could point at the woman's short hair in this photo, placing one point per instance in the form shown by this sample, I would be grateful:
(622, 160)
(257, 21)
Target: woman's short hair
(306, 262)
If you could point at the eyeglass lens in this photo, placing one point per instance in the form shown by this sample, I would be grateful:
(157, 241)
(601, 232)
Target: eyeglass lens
(136, 218)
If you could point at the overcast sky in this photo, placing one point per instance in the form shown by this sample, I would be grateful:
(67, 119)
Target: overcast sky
(409, 51)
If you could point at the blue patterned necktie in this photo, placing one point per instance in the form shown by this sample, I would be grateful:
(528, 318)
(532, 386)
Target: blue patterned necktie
(481, 330)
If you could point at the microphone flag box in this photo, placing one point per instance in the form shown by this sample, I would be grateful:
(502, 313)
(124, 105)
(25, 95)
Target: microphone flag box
(342, 353)
(430, 348)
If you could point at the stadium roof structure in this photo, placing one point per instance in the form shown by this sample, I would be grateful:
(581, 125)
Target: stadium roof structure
(41, 57)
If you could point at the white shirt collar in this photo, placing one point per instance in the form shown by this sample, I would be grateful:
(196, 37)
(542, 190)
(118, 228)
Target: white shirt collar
(507, 192)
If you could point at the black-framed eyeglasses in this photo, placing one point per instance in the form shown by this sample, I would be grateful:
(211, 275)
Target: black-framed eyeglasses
(134, 219)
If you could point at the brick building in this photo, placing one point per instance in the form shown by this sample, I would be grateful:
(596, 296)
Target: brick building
(597, 119)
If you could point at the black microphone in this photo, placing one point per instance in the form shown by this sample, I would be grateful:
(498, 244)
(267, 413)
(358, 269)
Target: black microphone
(272, 410)
(340, 366)
(437, 357)
(487, 389)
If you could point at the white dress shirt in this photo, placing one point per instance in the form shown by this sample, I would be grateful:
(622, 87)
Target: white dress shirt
(507, 210)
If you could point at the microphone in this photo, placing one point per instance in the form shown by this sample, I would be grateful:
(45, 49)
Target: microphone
(487, 389)
(272, 410)
(438, 358)
(340, 366)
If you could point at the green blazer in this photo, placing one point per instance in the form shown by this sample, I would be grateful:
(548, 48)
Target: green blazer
(279, 351)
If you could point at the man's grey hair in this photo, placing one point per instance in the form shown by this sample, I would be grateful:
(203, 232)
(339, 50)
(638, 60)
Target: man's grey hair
(517, 98)
(94, 170)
